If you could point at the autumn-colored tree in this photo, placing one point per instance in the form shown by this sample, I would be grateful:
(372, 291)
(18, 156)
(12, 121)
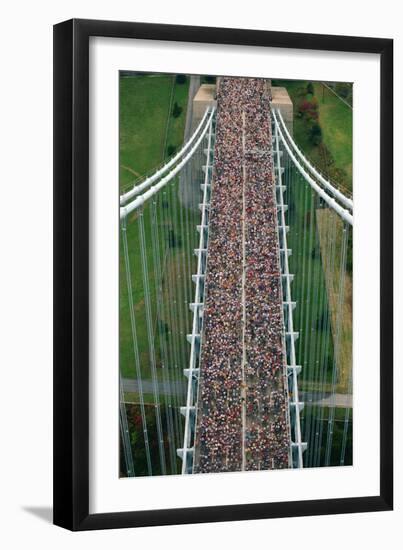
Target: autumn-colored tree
(315, 134)
(309, 109)
(176, 111)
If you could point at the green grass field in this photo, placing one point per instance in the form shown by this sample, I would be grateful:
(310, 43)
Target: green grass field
(144, 115)
(337, 124)
(332, 269)
(314, 346)
(146, 129)
(335, 156)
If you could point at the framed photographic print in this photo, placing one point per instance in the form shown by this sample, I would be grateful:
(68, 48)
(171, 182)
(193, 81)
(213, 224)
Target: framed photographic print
(223, 295)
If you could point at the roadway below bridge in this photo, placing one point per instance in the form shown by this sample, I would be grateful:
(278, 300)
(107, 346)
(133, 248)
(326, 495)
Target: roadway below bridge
(320, 399)
(174, 387)
(178, 388)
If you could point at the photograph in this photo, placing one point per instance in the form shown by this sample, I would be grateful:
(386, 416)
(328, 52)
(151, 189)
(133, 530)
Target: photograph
(200, 275)
(235, 274)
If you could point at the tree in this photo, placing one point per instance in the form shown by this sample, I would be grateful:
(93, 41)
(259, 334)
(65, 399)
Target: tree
(343, 89)
(163, 326)
(133, 438)
(174, 241)
(309, 88)
(315, 134)
(180, 78)
(176, 111)
(171, 150)
(309, 109)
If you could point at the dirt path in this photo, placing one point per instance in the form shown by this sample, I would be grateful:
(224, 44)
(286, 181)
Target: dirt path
(332, 278)
(131, 170)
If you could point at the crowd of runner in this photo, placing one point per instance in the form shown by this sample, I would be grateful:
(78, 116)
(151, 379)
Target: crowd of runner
(242, 412)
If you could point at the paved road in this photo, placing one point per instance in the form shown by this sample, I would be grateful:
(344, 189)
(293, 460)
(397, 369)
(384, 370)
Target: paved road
(326, 399)
(189, 190)
(175, 388)
(179, 388)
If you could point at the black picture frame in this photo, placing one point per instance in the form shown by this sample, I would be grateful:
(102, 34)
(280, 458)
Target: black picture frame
(71, 274)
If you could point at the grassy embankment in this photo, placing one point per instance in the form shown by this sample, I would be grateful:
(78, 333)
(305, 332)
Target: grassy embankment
(336, 121)
(325, 219)
(334, 156)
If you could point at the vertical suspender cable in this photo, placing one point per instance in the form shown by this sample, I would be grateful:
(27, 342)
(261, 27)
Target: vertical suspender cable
(329, 243)
(171, 314)
(336, 359)
(159, 298)
(331, 326)
(347, 410)
(150, 337)
(172, 278)
(178, 278)
(164, 336)
(307, 193)
(308, 310)
(346, 422)
(135, 344)
(124, 429)
(164, 220)
(315, 325)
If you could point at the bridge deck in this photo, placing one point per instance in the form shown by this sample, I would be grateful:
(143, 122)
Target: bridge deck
(242, 410)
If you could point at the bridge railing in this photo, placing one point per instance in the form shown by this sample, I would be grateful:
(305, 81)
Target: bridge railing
(148, 181)
(297, 446)
(325, 175)
(330, 201)
(187, 452)
(346, 201)
(141, 199)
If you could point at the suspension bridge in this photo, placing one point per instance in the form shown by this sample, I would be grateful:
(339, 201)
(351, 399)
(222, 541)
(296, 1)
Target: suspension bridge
(243, 300)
